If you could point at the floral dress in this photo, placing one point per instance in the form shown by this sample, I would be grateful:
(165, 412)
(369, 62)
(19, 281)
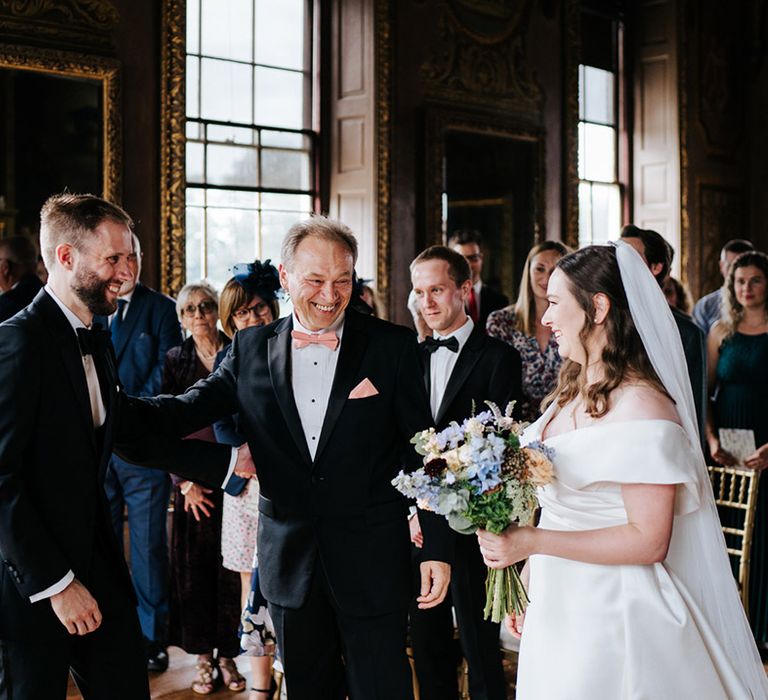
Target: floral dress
(540, 369)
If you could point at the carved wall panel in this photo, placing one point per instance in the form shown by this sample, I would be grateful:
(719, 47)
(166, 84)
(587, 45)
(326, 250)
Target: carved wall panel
(721, 217)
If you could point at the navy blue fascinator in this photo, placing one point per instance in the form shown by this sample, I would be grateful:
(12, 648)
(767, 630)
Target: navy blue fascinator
(259, 278)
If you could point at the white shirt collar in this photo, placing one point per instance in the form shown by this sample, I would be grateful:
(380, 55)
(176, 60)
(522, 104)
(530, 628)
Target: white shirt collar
(478, 286)
(336, 327)
(73, 319)
(461, 334)
(127, 297)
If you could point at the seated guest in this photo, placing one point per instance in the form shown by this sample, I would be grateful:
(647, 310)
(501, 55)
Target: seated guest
(737, 359)
(204, 596)
(483, 299)
(249, 299)
(144, 328)
(463, 369)
(677, 295)
(520, 326)
(18, 282)
(707, 309)
(657, 253)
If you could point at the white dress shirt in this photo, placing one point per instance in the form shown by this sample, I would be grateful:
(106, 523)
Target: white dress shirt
(313, 368)
(442, 362)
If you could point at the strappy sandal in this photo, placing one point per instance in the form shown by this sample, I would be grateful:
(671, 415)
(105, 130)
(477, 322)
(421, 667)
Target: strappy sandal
(233, 680)
(205, 682)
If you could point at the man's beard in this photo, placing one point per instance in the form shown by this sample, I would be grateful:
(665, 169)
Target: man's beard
(91, 290)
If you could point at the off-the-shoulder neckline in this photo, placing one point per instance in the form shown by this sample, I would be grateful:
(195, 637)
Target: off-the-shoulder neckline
(607, 424)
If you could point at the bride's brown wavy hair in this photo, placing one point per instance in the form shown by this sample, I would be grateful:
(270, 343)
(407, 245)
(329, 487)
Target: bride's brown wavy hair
(590, 271)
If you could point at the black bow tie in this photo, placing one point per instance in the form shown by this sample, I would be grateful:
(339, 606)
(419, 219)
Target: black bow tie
(432, 344)
(93, 341)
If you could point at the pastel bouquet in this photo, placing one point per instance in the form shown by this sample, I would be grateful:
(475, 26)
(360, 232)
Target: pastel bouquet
(478, 476)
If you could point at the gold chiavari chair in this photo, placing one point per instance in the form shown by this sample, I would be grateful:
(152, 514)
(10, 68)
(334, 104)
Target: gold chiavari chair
(735, 490)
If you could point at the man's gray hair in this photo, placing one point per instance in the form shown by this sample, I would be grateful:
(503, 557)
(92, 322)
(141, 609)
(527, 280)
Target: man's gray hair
(319, 227)
(203, 287)
(71, 219)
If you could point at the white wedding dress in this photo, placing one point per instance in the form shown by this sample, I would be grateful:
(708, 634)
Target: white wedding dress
(618, 632)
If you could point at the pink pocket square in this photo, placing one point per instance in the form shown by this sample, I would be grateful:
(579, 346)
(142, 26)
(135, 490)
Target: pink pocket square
(363, 390)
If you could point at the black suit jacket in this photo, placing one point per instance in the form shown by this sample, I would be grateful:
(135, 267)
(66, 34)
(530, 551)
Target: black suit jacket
(486, 369)
(53, 512)
(340, 510)
(695, 348)
(490, 301)
(14, 300)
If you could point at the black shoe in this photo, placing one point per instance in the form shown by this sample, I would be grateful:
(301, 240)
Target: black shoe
(157, 657)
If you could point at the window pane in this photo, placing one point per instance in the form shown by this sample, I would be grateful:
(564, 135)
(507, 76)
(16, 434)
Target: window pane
(599, 213)
(231, 134)
(286, 202)
(598, 95)
(232, 165)
(581, 92)
(227, 29)
(195, 154)
(274, 226)
(232, 238)
(284, 139)
(233, 199)
(193, 87)
(226, 91)
(279, 98)
(285, 169)
(194, 243)
(585, 214)
(193, 130)
(195, 196)
(597, 152)
(193, 26)
(280, 33)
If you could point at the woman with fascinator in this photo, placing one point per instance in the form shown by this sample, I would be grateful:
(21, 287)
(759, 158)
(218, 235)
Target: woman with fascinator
(249, 299)
(631, 590)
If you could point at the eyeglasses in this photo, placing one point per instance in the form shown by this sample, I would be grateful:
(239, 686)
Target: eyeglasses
(260, 309)
(204, 307)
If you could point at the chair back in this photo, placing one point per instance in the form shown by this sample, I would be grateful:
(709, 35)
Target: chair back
(735, 490)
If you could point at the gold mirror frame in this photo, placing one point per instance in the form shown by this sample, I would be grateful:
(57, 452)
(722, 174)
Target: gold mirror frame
(76, 65)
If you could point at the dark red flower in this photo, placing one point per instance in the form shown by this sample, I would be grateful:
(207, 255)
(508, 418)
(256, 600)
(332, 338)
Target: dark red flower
(435, 467)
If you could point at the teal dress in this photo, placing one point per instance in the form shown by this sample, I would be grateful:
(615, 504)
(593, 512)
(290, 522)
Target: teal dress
(741, 401)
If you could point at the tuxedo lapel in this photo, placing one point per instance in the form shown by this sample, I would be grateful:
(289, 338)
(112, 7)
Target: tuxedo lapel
(465, 363)
(135, 309)
(69, 351)
(353, 344)
(279, 359)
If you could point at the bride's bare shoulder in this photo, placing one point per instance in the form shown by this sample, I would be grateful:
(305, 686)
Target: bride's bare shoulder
(642, 401)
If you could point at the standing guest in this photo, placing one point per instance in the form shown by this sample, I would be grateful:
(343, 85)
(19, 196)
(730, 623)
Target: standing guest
(18, 282)
(331, 398)
(738, 379)
(422, 329)
(248, 300)
(676, 294)
(483, 300)
(66, 598)
(657, 254)
(463, 369)
(143, 329)
(204, 608)
(364, 297)
(520, 326)
(707, 310)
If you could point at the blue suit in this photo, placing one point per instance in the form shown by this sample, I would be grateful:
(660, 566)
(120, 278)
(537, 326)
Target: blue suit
(148, 330)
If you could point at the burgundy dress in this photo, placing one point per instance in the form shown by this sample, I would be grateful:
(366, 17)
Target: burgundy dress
(204, 596)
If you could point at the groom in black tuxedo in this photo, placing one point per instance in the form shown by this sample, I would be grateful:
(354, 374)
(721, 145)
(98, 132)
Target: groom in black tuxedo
(463, 369)
(66, 600)
(328, 399)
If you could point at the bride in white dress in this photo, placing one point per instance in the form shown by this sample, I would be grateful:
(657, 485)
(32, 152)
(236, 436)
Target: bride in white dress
(632, 596)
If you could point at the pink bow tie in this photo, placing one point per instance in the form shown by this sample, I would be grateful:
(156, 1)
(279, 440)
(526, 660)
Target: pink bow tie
(301, 340)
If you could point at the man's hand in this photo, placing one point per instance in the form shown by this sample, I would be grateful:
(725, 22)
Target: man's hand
(76, 609)
(435, 578)
(244, 465)
(196, 500)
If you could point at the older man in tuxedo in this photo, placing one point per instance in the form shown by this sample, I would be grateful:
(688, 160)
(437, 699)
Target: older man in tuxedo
(66, 600)
(463, 369)
(18, 282)
(329, 399)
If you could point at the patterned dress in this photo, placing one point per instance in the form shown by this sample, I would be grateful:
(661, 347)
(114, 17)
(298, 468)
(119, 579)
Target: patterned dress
(540, 369)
